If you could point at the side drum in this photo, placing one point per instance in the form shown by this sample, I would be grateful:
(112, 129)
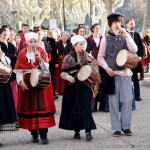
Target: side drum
(40, 78)
(127, 59)
(5, 72)
(88, 76)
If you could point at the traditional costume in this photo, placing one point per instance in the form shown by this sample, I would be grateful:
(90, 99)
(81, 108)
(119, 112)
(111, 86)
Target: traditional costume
(119, 86)
(76, 103)
(36, 105)
(62, 49)
(146, 41)
(8, 116)
(53, 62)
(95, 45)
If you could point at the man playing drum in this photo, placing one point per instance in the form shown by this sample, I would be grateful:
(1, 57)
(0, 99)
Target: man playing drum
(118, 79)
(36, 104)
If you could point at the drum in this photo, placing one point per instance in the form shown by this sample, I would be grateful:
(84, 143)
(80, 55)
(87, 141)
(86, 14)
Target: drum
(40, 78)
(5, 72)
(127, 59)
(88, 76)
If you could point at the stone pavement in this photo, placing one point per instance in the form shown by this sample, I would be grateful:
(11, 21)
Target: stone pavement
(103, 140)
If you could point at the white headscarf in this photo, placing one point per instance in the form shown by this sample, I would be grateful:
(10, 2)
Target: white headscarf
(78, 38)
(31, 35)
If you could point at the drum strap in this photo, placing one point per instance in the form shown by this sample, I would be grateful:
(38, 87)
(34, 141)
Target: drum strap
(117, 50)
(114, 45)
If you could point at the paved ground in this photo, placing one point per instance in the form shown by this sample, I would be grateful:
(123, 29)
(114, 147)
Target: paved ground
(103, 139)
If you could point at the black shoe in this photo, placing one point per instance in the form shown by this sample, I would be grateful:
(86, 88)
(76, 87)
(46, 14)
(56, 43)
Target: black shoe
(35, 139)
(147, 71)
(117, 133)
(89, 137)
(138, 99)
(77, 135)
(1, 144)
(55, 97)
(127, 132)
(142, 78)
(94, 110)
(44, 140)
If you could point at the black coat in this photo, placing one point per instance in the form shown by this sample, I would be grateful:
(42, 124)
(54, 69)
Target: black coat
(139, 44)
(140, 51)
(64, 50)
(54, 55)
(10, 52)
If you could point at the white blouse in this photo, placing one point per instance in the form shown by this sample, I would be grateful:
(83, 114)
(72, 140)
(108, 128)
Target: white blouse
(31, 59)
(97, 40)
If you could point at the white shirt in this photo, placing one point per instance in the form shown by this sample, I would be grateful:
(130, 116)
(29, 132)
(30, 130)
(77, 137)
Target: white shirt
(31, 59)
(64, 44)
(97, 40)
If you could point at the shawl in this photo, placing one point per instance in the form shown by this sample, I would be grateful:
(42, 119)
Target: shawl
(22, 62)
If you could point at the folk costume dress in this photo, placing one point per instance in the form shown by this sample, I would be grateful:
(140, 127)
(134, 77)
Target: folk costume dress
(95, 45)
(76, 103)
(146, 60)
(10, 48)
(36, 105)
(8, 116)
(62, 49)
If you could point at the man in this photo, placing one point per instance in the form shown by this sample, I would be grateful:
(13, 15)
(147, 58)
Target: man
(130, 24)
(25, 29)
(36, 104)
(118, 79)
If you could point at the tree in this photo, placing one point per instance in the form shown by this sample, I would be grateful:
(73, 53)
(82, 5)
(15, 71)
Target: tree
(105, 7)
(146, 23)
(31, 12)
(134, 9)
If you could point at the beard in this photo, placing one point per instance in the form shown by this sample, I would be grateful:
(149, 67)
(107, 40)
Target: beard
(132, 28)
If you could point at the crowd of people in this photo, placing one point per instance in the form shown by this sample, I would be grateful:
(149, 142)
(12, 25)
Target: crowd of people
(60, 57)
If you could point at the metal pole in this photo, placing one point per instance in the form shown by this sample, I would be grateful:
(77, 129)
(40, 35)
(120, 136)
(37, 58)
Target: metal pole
(64, 17)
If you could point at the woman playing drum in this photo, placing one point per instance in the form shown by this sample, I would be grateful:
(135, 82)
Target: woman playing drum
(8, 117)
(36, 104)
(76, 104)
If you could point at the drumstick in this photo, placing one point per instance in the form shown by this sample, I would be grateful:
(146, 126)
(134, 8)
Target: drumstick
(74, 78)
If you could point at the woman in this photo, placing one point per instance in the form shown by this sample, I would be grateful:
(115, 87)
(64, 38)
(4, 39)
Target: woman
(35, 107)
(146, 43)
(43, 44)
(95, 40)
(8, 117)
(8, 46)
(76, 104)
(63, 48)
(12, 37)
(81, 30)
(18, 44)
